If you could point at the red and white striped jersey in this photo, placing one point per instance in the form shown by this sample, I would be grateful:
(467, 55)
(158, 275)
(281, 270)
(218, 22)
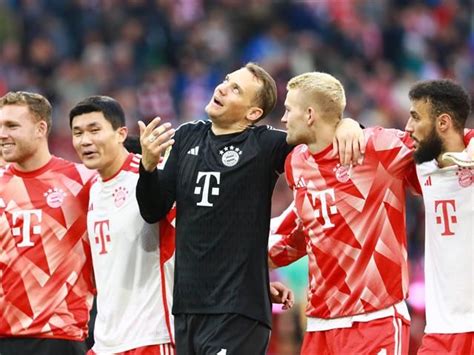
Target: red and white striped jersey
(448, 196)
(46, 285)
(350, 221)
(133, 266)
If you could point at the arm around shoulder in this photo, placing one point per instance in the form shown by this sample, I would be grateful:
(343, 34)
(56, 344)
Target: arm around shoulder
(287, 239)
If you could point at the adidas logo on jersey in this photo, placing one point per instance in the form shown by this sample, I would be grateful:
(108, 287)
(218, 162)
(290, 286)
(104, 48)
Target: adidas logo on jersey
(300, 184)
(194, 151)
(428, 181)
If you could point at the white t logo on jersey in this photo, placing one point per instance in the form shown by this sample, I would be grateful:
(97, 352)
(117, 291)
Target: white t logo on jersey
(24, 231)
(204, 190)
(325, 210)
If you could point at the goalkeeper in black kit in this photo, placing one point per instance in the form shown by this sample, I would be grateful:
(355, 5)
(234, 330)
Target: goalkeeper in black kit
(221, 173)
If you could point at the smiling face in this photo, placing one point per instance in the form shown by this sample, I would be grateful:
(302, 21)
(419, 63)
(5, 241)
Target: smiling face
(234, 99)
(21, 133)
(422, 128)
(97, 144)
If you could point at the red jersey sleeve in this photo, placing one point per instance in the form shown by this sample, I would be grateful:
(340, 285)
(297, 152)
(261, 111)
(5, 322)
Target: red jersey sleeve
(290, 238)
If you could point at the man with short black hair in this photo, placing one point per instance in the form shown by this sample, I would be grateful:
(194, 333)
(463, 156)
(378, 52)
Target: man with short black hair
(133, 260)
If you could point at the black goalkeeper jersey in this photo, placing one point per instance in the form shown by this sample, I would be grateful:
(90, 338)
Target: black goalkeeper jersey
(223, 187)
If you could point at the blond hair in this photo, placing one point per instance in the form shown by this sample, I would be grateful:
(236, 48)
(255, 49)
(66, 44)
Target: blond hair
(322, 89)
(38, 105)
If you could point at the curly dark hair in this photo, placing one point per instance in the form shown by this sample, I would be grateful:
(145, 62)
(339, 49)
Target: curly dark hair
(445, 96)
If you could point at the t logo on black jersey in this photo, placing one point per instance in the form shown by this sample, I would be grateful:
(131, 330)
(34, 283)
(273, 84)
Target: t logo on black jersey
(204, 190)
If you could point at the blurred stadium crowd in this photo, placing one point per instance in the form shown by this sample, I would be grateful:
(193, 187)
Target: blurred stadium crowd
(164, 57)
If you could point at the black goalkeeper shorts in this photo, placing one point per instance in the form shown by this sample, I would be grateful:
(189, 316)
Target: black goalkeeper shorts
(220, 334)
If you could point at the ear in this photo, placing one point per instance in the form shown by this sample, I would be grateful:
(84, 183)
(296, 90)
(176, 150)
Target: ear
(444, 122)
(254, 113)
(42, 128)
(122, 134)
(311, 116)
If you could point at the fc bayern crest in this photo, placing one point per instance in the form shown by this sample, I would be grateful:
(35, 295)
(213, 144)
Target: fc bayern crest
(465, 177)
(54, 197)
(120, 196)
(230, 155)
(343, 172)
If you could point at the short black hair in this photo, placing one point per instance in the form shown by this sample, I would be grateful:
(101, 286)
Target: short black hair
(109, 107)
(445, 96)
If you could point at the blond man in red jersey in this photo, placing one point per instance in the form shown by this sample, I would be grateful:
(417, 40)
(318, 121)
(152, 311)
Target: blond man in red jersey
(349, 220)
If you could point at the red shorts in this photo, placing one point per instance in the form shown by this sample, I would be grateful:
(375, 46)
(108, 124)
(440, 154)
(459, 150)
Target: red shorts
(158, 349)
(385, 336)
(460, 343)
